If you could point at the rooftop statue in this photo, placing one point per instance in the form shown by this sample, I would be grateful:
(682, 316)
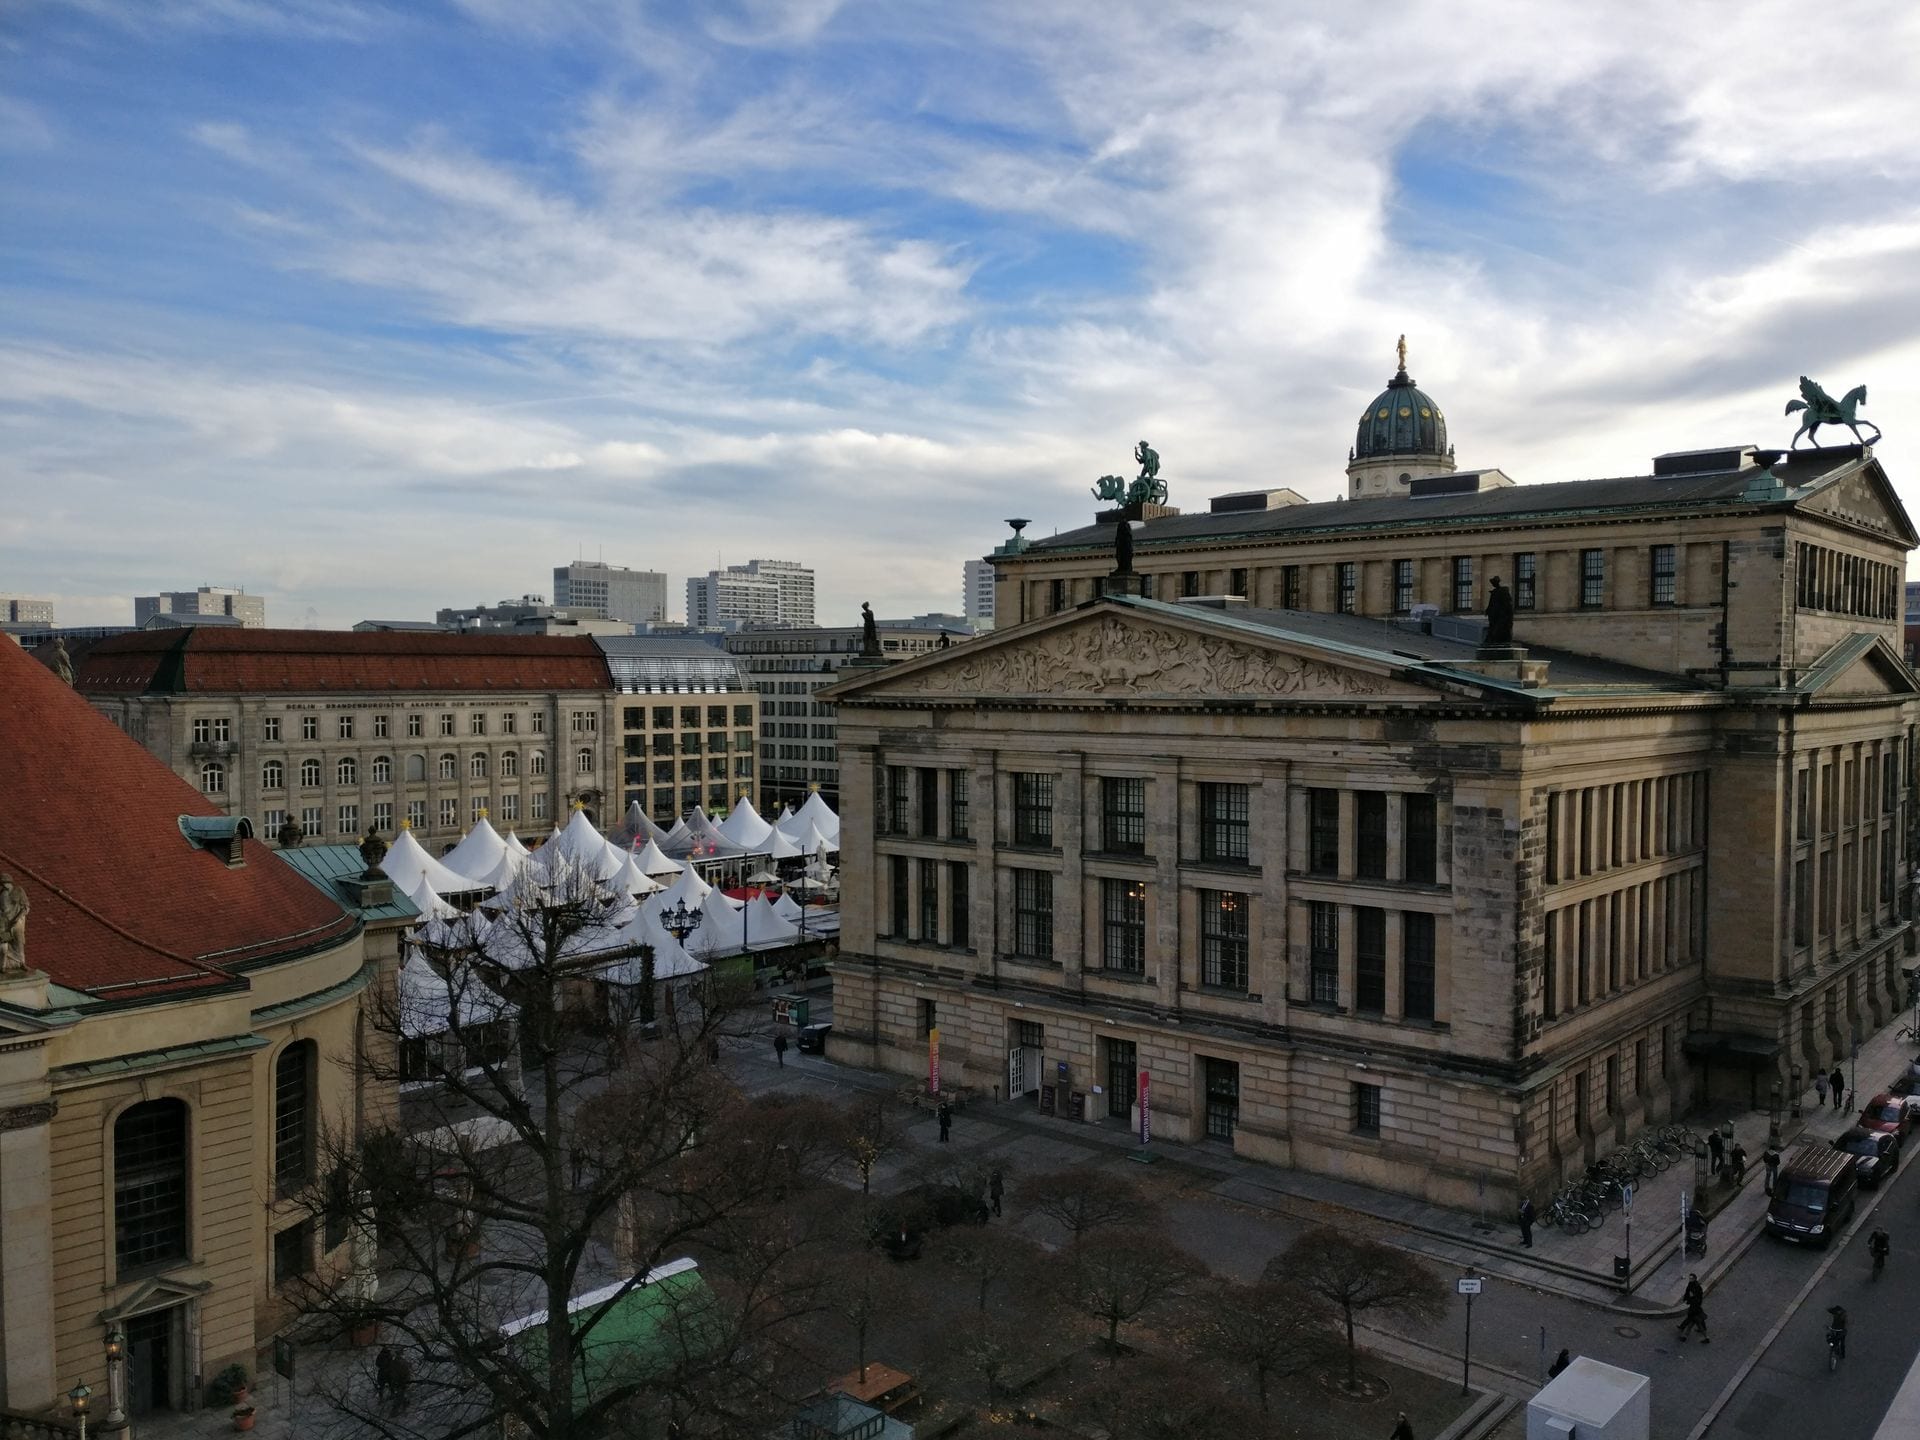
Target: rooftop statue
(869, 633)
(1123, 549)
(1401, 350)
(1822, 409)
(372, 850)
(1149, 460)
(1499, 614)
(62, 662)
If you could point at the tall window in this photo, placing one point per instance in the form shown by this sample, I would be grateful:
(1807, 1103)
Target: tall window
(1366, 1109)
(150, 1185)
(1662, 570)
(509, 807)
(446, 724)
(510, 766)
(1526, 575)
(930, 900)
(270, 728)
(1416, 966)
(537, 806)
(309, 727)
(293, 1252)
(1123, 908)
(1419, 839)
(1289, 587)
(477, 723)
(449, 813)
(894, 778)
(213, 777)
(383, 815)
(1189, 582)
(347, 820)
(477, 765)
(1123, 814)
(959, 915)
(1323, 832)
(1033, 914)
(383, 770)
(310, 774)
(1223, 939)
(1370, 834)
(345, 725)
(959, 808)
(1369, 960)
(1057, 596)
(583, 762)
(1593, 578)
(1347, 574)
(1323, 952)
(537, 722)
(1236, 582)
(1402, 586)
(1223, 823)
(929, 801)
(449, 767)
(379, 727)
(310, 822)
(293, 1115)
(1032, 809)
(1463, 582)
(414, 726)
(346, 772)
(897, 887)
(537, 762)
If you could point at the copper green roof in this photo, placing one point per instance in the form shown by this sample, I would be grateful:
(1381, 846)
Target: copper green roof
(323, 865)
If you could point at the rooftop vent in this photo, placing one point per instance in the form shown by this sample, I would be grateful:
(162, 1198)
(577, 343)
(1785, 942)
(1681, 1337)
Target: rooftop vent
(1467, 482)
(1703, 462)
(220, 835)
(1254, 500)
(1214, 602)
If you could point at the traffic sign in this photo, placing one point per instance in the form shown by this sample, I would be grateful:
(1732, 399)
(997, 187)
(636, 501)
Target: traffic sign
(1626, 1198)
(1467, 1286)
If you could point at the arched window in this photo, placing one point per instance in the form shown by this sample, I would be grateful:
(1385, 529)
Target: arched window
(346, 772)
(509, 765)
(537, 763)
(213, 777)
(583, 762)
(383, 770)
(477, 766)
(272, 775)
(150, 1185)
(416, 767)
(293, 1115)
(310, 773)
(449, 767)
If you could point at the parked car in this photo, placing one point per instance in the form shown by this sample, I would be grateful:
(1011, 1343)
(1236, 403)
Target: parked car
(1887, 1112)
(900, 1221)
(1876, 1153)
(813, 1038)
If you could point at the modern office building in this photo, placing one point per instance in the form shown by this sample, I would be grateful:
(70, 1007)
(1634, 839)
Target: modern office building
(976, 594)
(340, 730)
(249, 610)
(1267, 821)
(687, 725)
(25, 610)
(616, 592)
(760, 592)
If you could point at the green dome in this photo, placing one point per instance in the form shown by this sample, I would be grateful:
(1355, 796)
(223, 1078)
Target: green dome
(1402, 420)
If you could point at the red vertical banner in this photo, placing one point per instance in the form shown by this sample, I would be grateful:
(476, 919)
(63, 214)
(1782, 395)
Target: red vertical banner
(1146, 1110)
(933, 1060)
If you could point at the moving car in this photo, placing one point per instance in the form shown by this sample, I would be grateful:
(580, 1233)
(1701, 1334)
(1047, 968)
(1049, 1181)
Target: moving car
(1876, 1153)
(1815, 1195)
(1888, 1112)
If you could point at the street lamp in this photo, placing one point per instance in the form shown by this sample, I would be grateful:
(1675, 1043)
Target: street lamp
(680, 922)
(116, 1378)
(1794, 1086)
(1773, 1118)
(78, 1397)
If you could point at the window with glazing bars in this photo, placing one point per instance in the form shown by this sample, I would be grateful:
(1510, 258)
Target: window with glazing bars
(897, 886)
(1366, 1109)
(1189, 582)
(1416, 966)
(959, 795)
(1664, 575)
(1323, 952)
(1525, 580)
(293, 1115)
(1347, 573)
(1237, 582)
(1323, 832)
(1123, 907)
(1032, 809)
(929, 802)
(150, 1184)
(959, 916)
(1369, 960)
(1370, 835)
(897, 795)
(1419, 839)
(1223, 939)
(1123, 814)
(1402, 586)
(1289, 587)
(1223, 822)
(1593, 578)
(930, 900)
(1033, 914)
(1463, 582)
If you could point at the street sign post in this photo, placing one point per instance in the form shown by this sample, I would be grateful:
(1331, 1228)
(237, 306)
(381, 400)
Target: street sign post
(1469, 1286)
(1146, 1109)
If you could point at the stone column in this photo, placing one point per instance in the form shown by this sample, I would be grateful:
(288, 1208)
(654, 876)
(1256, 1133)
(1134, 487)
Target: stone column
(1165, 811)
(1070, 885)
(26, 1214)
(1267, 847)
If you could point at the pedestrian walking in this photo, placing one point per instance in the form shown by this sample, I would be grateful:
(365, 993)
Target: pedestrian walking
(1402, 1429)
(780, 1050)
(1560, 1362)
(945, 1116)
(399, 1377)
(1696, 1317)
(1837, 1083)
(1737, 1164)
(1771, 1160)
(1820, 1089)
(1716, 1152)
(996, 1187)
(383, 1372)
(1526, 1221)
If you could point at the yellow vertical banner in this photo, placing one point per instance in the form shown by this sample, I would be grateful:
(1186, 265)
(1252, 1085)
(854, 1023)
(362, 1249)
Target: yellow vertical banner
(933, 1060)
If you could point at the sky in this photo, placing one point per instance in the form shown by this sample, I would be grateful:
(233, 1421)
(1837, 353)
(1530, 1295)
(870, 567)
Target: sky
(376, 308)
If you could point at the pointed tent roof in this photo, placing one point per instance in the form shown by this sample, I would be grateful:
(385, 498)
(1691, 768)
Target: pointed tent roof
(639, 828)
(502, 876)
(630, 879)
(653, 861)
(704, 838)
(478, 852)
(670, 958)
(408, 862)
(812, 841)
(817, 811)
(744, 827)
(764, 926)
(428, 1000)
(688, 888)
(779, 847)
(787, 908)
(720, 931)
(515, 844)
(428, 902)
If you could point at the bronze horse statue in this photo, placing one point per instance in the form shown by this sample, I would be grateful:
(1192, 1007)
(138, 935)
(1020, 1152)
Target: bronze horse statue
(1823, 409)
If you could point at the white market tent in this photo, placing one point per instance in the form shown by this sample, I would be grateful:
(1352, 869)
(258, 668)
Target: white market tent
(720, 932)
(670, 959)
(514, 844)
(479, 852)
(654, 861)
(704, 839)
(816, 813)
(503, 876)
(688, 889)
(630, 879)
(407, 863)
(779, 847)
(430, 1001)
(745, 828)
(788, 909)
(640, 828)
(427, 901)
(763, 925)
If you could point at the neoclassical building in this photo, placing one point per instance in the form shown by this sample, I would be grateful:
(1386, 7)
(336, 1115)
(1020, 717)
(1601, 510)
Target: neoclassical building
(1267, 821)
(179, 1016)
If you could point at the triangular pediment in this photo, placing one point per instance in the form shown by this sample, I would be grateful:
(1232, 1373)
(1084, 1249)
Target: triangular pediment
(1865, 499)
(1111, 651)
(1862, 665)
(158, 1293)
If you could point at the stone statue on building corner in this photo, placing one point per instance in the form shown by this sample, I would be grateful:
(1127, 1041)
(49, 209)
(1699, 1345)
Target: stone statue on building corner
(291, 833)
(14, 906)
(869, 633)
(1123, 549)
(62, 663)
(1822, 409)
(1499, 614)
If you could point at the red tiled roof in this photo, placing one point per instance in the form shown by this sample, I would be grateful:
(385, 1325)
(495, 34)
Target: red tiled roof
(203, 660)
(123, 905)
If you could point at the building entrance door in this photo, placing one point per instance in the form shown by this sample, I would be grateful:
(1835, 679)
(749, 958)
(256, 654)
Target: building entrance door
(1223, 1098)
(1122, 1068)
(153, 1361)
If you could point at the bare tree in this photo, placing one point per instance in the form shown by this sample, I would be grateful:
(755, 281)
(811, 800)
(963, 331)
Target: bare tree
(1083, 1200)
(1162, 1397)
(1118, 1274)
(1272, 1328)
(991, 1259)
(555, 1149)
(862, 1286)
(869, 1129)
(1357, 1277)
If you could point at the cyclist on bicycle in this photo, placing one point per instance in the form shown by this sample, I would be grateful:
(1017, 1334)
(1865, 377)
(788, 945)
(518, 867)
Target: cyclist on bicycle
(1877, 1246)
(1837, 1329)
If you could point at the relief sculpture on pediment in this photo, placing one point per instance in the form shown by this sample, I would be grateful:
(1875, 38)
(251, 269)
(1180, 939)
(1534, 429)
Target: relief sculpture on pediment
(1109, 657)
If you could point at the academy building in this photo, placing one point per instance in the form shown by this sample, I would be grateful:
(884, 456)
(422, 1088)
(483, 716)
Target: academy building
(1269, 822)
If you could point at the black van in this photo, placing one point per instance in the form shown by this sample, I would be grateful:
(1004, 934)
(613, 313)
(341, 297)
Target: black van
(1815, 1195)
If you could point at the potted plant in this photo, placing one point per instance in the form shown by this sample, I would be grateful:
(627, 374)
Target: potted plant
(229, 1387)
(243, 1417)
(362, 1329)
